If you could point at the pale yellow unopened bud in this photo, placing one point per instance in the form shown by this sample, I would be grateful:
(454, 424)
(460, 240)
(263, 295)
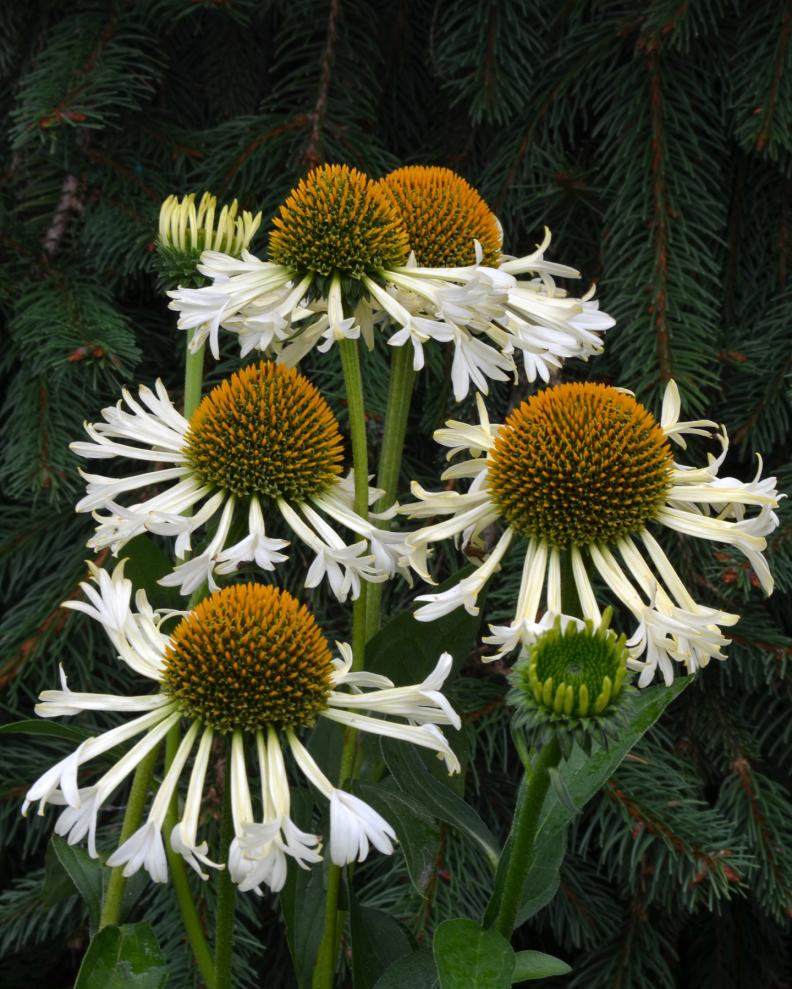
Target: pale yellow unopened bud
(183, 227)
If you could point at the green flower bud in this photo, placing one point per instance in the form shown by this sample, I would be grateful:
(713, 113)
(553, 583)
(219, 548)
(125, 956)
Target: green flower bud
(572, 683)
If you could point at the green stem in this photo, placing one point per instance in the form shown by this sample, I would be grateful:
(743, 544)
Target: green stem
(350, 364)
(193, 378)
(324, 969)
(226, 895)
(114, 894)
(532, 794)
(400, 388)
(193, 927)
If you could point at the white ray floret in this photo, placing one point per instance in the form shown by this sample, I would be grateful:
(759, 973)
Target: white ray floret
(672, 628)
(265, 840)
(153, 430)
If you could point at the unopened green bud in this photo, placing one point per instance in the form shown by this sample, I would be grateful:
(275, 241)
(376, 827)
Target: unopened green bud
(571, 681)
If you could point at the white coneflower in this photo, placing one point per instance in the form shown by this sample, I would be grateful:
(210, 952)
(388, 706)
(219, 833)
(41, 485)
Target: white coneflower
(265, 438)
(586, 470)
(489, 314)
(420, 247)
(249, 662)
(340, 256)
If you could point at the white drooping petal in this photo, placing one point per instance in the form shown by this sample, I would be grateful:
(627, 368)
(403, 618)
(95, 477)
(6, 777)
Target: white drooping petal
(353, 825)
(420, 703)
(256, 546)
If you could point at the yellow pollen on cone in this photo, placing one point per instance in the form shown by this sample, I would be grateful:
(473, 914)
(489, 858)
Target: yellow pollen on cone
(338, 220)
(265, 431)
(580, 464)
(443, 215)
(249, 656)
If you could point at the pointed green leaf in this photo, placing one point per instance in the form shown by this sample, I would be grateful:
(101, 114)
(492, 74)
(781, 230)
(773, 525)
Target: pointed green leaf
(468, 957)
(412, 776)
(418, 836)
(580, 776)
(86, 873)
(537, 965)
(52, 729)
(126, 957)
(406, 650)
(377, 942)
(302, 901)
(146, 563)
(415, 971)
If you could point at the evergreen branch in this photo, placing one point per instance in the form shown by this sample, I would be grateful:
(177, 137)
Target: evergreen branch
(645, 820)
(128, 174)
(742, 768)
(296, 123)
(773, 392)
(659, 223)
(769, 109)
(313, 154)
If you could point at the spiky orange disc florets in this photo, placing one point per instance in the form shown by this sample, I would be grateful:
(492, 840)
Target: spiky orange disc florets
(249, 656)
(337, 219)
(580, 463)
(443, 214)
(265, 431)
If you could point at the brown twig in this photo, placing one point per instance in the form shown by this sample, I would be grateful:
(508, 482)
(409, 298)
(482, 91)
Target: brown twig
(69, 205)
(313, 154)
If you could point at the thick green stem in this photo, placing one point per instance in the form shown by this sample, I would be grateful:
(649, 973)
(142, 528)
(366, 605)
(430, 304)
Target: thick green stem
(353, 383)
(402, 379)
(532, 794)
(114, 894)
(226, 896)
(324, 969)
(193, 927)
(193, 378)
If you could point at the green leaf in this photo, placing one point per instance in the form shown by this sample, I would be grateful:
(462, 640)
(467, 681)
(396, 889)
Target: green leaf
(537, 965)
(126, 957)
(302, 902)
(412, 776)
(86, 873)
(415, 971)
(146, 563)
(544, 876)
(406, 650)
(581, 777)
(377, 942)
(468, 957)
(51, 729)
(418, 836)
(57, 883)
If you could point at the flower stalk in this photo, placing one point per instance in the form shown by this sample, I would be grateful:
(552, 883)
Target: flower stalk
(400, 389)
(533, 791)
(114, 894)
(226, 896)
(324, 969)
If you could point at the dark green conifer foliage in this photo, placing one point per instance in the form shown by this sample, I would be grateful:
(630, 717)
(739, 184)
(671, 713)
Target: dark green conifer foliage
(655, 139)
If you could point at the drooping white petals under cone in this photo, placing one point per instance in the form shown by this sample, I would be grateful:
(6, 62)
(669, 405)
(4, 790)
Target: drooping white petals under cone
(671, 627)
(263, 843)
(487, 314)
(151, 429)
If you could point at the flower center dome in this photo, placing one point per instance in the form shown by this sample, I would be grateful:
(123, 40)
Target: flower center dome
(580, 463)
(337, 219)
(577, 672)
(443, 215)
(265, 431)
(248, 656)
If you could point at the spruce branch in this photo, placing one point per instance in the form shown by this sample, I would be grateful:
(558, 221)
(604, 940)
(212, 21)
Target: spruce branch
(313, 152)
